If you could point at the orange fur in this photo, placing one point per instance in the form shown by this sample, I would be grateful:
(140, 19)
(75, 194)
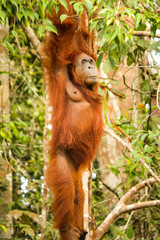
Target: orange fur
(77, 125)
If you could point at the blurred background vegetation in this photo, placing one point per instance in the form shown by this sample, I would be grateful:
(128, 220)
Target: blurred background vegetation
(126, 35)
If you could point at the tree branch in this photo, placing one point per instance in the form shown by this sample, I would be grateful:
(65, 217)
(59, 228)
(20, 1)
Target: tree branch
(121, 207)
(145, 34)
(34, 40)
(141, 205)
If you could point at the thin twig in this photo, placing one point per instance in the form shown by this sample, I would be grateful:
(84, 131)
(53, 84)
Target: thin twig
(132, 89)
(108, 187)
(145, 119)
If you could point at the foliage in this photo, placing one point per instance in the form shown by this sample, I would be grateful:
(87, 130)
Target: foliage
(22, 137)
(115, 23)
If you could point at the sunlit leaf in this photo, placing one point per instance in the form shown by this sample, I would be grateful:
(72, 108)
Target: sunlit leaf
(138, 18)
(63, 17)
(52, 29)
(4, 228)
(64, 4)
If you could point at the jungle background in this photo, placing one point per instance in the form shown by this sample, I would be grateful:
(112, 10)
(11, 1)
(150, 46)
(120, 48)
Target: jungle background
(126, 41)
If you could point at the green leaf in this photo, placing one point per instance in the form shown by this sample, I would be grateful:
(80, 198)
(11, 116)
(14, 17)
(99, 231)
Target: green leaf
(143, 43)
(92, 25)
(64, 4)
(14, 33)
(45, 2)
(115, 170)
(8, 6)
(4, 228)
(91, 12)
(26, 22)
(129, 232)
(88, 4)
(111, 61)
(63, 17)
(56, 7)
(142, 27)
(120, 93)
(36, 15)
(130, 58)
(31, 15)
(138, 132)
(99, 60)
(4, 72)
(25, 12)
(138, 18)
(119, 34)
(41, 10)
(152, 135)
(106, 67)
(50, 6)
(148, 159)
(22, 34)
(125, 113)
(71, 2)
(146, 148)
(41, 30)
(47, 21)
(112, 36)
(52, 28)
(2, 134)
(109, 21)
(133, 167)
(143, 136)
(9, 47)
(153, 31)
(4, 2)
(14, 2)
(155, 46)
(19, 15)
(2, 15)
(78, 7)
